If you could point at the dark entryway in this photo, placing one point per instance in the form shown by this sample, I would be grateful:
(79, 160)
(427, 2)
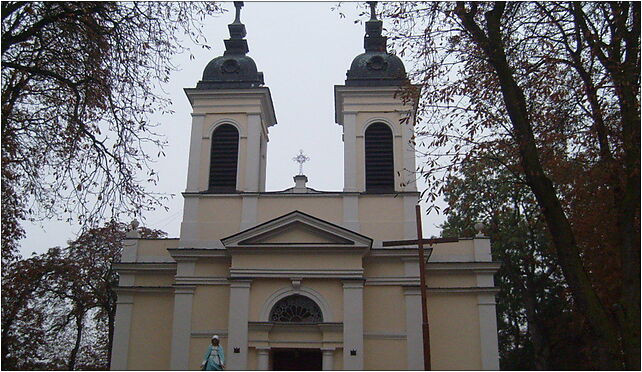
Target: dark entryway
(296, 359)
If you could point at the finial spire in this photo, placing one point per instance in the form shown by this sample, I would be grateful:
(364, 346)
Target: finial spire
(373, 10)
(238, 5)
(301, 158)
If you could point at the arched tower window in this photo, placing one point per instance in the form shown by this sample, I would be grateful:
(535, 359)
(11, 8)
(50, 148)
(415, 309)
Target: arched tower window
(380, 173)
(224, 158)
(296, 309)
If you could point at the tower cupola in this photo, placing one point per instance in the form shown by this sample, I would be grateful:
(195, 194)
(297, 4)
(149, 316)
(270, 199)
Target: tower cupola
(375, 67)
(234, 69)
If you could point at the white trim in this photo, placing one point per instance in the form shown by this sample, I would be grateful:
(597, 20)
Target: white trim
(252, 154)
(410, 216)
(327, 359)
(122, 326)
(353, 325)
(488, 331)
(194, 163)
(299, 273)
(262, 358)
(218, 123)
(379, 119)
(351, 212)
(249, 211)
(181, 327)
(359, 240)
(384, 335)
(289, 291)
(414, 334)
(349, 152)
(238, 324)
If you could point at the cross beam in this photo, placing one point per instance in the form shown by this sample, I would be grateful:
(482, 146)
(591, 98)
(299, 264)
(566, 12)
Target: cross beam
(396, 243)
(420, 241)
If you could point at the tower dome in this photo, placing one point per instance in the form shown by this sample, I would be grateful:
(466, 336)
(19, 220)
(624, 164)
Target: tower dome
(233, 69)
(375, 67)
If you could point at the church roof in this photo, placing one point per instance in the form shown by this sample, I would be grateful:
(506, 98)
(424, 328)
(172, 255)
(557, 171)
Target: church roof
(234, 69)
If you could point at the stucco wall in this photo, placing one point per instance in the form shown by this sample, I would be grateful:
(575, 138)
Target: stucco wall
(151, 335)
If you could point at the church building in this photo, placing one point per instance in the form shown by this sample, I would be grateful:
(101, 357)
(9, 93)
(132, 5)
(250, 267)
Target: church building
(301, 278)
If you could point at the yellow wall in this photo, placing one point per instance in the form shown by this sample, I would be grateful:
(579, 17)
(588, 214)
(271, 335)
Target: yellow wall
(454, 331)
(382, 354)
(383, 309)
(328, 208)
(381, 217)
(151, 334)
(156, 247)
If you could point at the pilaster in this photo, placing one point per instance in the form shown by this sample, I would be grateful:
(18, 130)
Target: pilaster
(196, 142)
(122, 326)
(353, 325)
(237, 341)
(253, 155)
(181, 327)
(263, 359)
(414, 336)
(327, 361)
(349, 152)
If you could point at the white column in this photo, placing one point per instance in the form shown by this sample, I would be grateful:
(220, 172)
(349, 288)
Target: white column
(196, 141)
(253, 153)
(328, 359)
(263, 359)
(353, 325)
(410, 216)
(249, 211)
(351, 212)
(238, 325)
(488, 331)
(122, 326)
(414, 335)
(181, 327)
(408, 151)
(349, 152)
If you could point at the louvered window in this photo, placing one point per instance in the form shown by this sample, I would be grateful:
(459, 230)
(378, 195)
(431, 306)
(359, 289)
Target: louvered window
(224, 159)
(380, 176)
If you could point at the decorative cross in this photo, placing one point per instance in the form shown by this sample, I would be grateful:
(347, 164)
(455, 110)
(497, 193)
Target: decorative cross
(373, 10)
(238, 5)
(301, 158)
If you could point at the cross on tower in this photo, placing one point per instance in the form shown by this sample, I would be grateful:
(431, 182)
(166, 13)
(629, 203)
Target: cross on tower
(301, 158)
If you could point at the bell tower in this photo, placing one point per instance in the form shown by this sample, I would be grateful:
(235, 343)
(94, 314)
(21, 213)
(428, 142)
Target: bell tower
(377, 124)
(231, 113)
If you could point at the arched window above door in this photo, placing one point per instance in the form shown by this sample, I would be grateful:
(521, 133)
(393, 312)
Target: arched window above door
(296, 309)
(224, 158)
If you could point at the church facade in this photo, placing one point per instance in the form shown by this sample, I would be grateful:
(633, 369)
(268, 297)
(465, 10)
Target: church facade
(302, 278)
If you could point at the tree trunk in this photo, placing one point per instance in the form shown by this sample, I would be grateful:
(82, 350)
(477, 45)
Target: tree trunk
(605, 329)
(74, 352)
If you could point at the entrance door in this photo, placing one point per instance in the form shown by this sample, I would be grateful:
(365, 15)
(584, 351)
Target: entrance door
(296, 359)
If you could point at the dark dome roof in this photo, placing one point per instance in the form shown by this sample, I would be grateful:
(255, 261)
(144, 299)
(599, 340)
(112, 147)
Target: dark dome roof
(233, 69)
(376, 67)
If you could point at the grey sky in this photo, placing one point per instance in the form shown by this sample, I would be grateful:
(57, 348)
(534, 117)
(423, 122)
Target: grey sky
(303, 49)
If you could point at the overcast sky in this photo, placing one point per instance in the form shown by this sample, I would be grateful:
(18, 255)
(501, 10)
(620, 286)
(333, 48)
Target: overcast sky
(303, 49)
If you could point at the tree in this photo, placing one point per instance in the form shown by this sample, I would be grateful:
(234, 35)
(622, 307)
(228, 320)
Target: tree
(533, 309)
(556, 85)
(79, 81)
(58, 309)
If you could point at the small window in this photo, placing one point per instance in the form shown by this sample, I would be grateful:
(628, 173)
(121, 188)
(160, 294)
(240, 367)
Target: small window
(380, 173)
(224, 159)
(296, 309)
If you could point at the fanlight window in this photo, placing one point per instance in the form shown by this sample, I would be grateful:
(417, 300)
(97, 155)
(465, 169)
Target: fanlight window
(224, 158)
(380, 173)
(296, 309)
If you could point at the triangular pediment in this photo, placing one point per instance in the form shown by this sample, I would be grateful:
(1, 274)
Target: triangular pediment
(297, 229)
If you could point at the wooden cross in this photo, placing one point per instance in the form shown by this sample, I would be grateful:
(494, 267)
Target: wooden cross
(420, 241)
